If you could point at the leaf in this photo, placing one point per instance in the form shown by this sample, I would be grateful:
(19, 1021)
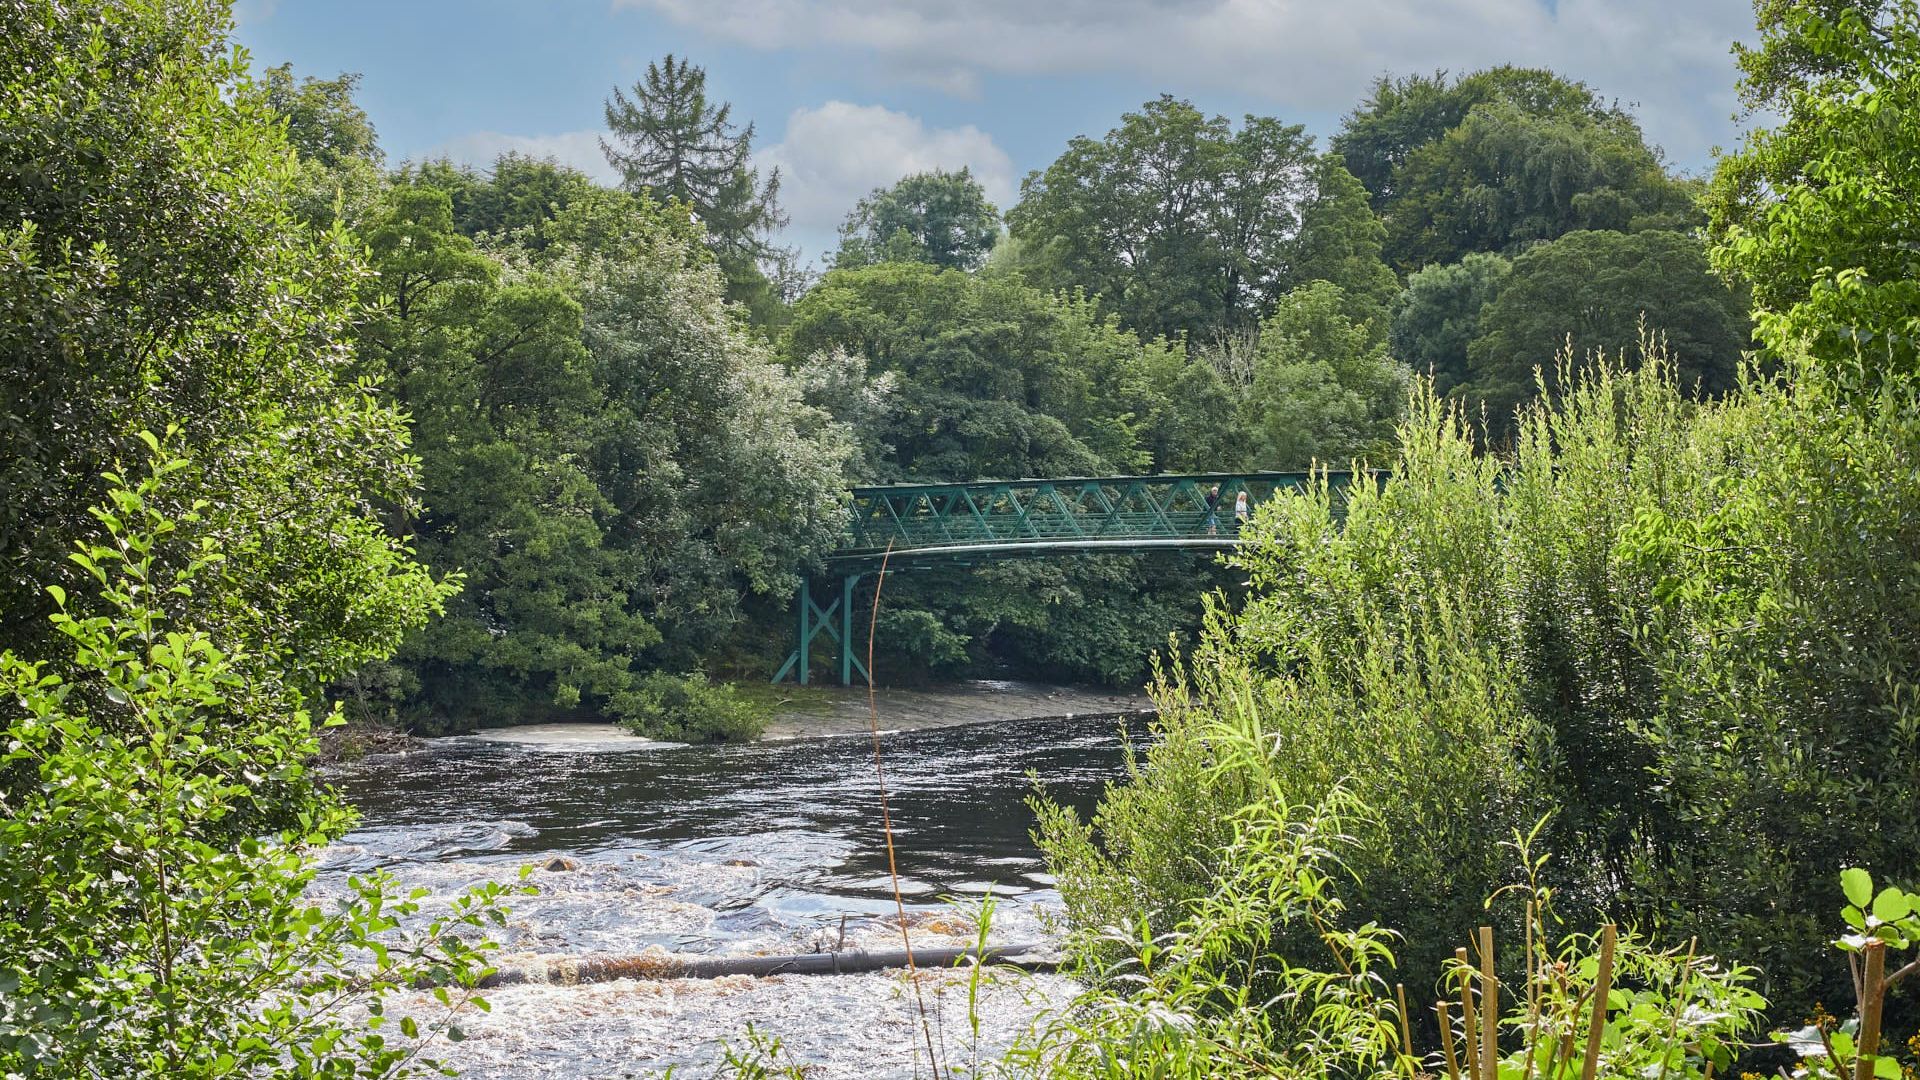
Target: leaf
(1892, 905)
(1858, 885)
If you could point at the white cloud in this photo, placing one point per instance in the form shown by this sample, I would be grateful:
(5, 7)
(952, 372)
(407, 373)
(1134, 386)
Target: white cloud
(579, 149)
(1308, 55)
(832, 155)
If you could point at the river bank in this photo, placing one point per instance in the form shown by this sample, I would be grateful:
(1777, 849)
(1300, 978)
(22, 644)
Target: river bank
(843, 710)
(816, 712)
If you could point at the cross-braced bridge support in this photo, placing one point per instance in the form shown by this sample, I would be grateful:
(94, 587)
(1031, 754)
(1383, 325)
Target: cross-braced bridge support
(835, 621)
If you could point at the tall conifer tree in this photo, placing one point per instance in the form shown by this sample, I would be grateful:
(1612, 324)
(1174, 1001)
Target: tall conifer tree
(668, 138)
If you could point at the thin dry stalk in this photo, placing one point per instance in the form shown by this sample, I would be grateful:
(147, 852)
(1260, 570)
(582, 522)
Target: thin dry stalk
(1602, 987)
(886, 815)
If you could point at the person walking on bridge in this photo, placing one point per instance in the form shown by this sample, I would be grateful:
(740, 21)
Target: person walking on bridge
(1242, 511)
(1213, 511)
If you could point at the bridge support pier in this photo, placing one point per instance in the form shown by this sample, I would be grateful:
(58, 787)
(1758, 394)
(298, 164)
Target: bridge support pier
(836, 622)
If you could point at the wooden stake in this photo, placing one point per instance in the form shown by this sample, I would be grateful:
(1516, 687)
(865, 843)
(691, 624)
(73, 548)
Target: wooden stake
(1875, 984)
(1446, 1038)
(1469, 1029)
(1406, 1032)
(1489, 1008)
(1602, 986)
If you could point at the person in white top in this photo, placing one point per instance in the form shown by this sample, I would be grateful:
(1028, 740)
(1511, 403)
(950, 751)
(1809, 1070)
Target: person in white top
(1242, 511)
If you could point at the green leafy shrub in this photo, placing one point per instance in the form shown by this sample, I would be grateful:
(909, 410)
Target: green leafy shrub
(1228, 992)
(1689, 630)
(665, 706)
(147, 928)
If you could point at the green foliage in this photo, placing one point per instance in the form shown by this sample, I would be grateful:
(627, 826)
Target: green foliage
(669, 141)
(664, 706)
(1672, 623)
(1602, 292)
(1179, 223)
(152, 273)
(1884, 921)
(154, 864)
(1324, 388)
(1501, 157)
(1438, 315)
(1265, 973)
(1817, 214)
(1506, 176)
(1400, 116)
(933, 217)
(993, 378)
(612, 461)
(520, 196)
(339, 154)
(1341, 242)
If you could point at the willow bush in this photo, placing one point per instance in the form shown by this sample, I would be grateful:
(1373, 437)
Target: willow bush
(1683, 634)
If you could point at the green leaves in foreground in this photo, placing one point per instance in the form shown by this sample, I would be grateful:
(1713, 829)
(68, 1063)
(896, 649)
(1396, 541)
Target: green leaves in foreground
(154, 921)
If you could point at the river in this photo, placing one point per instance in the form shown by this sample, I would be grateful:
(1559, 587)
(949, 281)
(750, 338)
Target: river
(765, 848)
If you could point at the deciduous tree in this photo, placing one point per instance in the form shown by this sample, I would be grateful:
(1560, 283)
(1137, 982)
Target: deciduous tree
(1602, 291)
(1324, 388)
(936, 217)
(1180, 223)
(1438, 315)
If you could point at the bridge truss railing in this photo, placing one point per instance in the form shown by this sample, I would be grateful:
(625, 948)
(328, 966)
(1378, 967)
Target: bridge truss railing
(924, 524)
(1027, 511)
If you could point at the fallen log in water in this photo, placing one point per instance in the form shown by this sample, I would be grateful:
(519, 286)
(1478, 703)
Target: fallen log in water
(569, 970)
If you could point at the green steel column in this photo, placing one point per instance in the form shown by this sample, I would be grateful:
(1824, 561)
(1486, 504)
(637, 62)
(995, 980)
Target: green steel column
(846, 628)
(806, 637)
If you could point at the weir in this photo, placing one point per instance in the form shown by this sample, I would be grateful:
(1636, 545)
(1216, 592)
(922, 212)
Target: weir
(910, 525)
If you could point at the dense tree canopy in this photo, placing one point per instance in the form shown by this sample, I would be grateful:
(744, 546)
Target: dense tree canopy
(1505, 176)
(1438, 315)
(936, 217)
(1499, 158)
(609, 458)
(153, 274)
(1179, 222)
(338, 150)
(1819, 214)
(997, 379)
(1600, 291)
(1324, 389)
(1400, 116)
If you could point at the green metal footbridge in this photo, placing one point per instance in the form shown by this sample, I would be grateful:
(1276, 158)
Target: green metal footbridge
(920, 524)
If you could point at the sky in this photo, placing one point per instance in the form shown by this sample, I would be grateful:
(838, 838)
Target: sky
(849, 95)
